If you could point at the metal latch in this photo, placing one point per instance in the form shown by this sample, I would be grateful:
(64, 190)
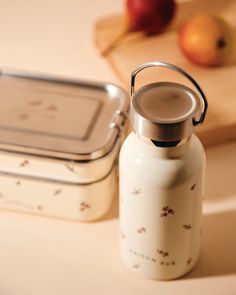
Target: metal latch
(118, 120)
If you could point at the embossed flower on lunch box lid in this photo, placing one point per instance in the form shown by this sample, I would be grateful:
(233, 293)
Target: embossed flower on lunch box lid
(52, 108)
(24, 163)
(57, 192)
(23, 116)
(36, 102)
(70, 167)
(187, 226)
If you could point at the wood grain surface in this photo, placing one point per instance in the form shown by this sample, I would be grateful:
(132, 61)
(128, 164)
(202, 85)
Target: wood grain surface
(218, 83)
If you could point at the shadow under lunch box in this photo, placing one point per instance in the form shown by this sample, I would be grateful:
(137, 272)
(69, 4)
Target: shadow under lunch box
(59, 143)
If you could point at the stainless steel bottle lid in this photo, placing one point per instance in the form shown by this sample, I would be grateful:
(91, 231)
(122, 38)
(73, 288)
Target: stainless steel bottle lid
(166, 111)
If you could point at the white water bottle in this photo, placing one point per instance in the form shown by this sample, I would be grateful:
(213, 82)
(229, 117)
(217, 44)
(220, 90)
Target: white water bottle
(162, 165)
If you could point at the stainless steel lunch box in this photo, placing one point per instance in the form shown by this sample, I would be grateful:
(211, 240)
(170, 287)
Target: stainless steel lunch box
(59, 141)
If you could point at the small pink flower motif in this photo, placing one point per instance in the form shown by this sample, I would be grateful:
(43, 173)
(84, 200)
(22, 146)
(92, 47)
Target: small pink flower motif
(84, 206)
(123, 236)
(141, 230)
(189, 260)
(193, 186)
(163, 253)
(136, 265)
(167, 211)
(136, 192)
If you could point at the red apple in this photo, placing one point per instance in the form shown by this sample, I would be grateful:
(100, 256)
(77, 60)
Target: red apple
(146, 16)
(150, 16)
(206, 40)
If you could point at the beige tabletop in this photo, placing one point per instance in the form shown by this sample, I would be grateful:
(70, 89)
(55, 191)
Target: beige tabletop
(40, 256)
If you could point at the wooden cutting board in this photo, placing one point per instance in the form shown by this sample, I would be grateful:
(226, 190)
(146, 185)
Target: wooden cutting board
(219, 83)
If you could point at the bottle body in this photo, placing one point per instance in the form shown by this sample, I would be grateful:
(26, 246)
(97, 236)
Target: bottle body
(161, 192)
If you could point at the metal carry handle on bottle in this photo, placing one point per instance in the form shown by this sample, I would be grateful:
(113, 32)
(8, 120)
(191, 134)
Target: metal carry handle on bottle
(176, 69)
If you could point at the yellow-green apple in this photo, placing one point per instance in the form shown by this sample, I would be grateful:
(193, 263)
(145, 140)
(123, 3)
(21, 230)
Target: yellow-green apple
(206, 40)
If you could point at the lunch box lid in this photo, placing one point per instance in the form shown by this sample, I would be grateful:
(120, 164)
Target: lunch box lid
(59, 118)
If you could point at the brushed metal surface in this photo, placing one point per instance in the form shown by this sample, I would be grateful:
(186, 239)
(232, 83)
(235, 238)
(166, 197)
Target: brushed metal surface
(58, 117)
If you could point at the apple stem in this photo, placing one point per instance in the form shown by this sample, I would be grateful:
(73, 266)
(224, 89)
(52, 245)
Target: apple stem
(114, 43)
